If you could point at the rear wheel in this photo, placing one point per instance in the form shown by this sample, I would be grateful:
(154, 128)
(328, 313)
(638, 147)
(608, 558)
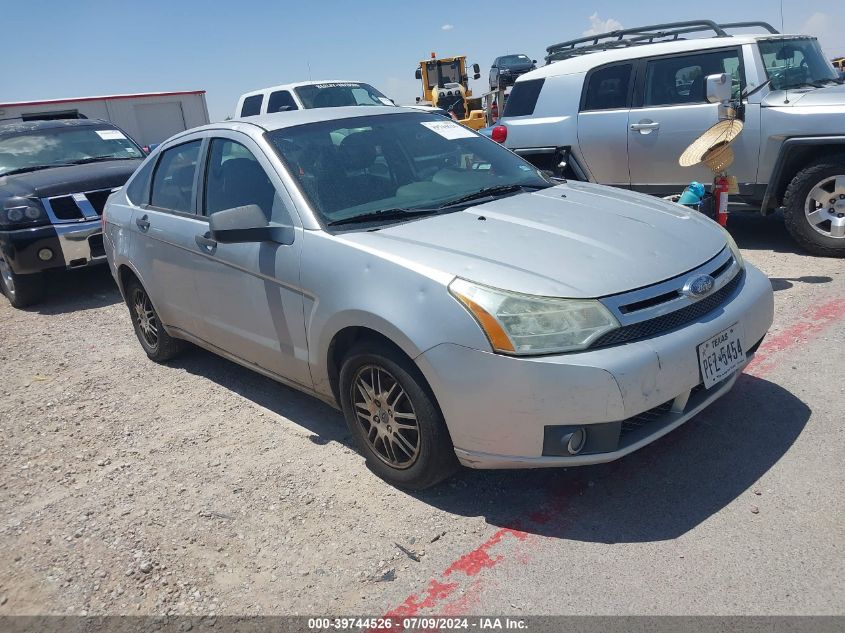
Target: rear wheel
(814, 207)
(20, 290)
(157, 343)
(393, 416)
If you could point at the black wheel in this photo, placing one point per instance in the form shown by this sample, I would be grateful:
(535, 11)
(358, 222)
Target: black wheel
(814, 207)
(157, 343)
(394, 418)
(20, 290)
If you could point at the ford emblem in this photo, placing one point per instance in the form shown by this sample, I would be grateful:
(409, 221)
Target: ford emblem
(699, 286)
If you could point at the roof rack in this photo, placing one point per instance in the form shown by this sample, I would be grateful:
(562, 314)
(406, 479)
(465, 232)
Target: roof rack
(621, 38)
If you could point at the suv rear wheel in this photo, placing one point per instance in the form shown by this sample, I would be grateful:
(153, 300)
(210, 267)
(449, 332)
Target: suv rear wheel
(20, 290)
(393, 416)
(814, 207)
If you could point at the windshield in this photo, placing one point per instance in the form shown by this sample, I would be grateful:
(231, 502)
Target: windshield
(363, 165)
(449, 73)
(62, 146)
(337, 94)
(795, 62)
(514, 60)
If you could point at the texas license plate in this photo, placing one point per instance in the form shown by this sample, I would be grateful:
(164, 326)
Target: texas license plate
(720, 355)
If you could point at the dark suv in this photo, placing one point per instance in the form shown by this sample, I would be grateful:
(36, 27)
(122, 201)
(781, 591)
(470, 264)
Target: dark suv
(55, 177)
(507, 68)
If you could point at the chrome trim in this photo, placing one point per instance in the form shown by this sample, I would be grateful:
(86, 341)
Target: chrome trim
(615, 303)
(74, 242)
(86, 209)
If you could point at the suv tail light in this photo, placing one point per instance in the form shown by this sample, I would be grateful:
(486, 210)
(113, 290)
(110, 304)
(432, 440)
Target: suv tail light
(499, 134)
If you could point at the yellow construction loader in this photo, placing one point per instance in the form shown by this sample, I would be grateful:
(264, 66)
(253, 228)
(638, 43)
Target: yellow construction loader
(445, 84)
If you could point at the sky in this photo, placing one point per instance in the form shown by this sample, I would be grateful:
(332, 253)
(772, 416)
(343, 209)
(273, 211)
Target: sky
(86, 48)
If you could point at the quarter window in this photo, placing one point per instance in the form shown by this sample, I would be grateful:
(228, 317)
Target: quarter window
(680, 80)
(523, 97)
(281, 101)
(173, 182)
(607, 88)
(252, 105)
(235, 178)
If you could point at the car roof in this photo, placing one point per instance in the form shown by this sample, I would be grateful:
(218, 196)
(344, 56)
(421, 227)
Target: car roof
(10, 127)
(587, 61)
(299, 84)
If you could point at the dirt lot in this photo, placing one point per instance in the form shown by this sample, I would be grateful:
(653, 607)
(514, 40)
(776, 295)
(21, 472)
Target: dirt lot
(200, 487)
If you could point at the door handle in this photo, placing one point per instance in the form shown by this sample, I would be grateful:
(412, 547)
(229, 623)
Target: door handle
(143, 223)
(645, 126)
(206, 243)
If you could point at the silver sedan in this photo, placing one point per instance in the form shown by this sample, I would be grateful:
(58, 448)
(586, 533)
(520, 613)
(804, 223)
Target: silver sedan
(458, 305)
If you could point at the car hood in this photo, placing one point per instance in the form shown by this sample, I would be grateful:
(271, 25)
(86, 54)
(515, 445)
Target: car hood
(830, 95)
(71, 179)
(575, 240)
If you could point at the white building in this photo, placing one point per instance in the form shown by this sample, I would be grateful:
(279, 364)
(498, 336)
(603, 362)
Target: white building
(148, 118)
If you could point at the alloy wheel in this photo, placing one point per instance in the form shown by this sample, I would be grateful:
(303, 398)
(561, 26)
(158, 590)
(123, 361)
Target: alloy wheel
(145, 317)
(386, 415)
(825, 207)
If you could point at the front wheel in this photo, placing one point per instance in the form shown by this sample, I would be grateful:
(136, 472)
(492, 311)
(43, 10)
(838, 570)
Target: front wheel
(20, 290)
(814, 207)
(393, 416)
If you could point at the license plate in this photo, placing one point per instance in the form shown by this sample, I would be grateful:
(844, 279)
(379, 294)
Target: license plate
(720, 355)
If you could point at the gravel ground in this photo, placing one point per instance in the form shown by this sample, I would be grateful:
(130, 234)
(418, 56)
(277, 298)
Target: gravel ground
(200, 487)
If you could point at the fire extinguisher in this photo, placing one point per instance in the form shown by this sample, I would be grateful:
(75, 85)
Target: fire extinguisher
(720, 193)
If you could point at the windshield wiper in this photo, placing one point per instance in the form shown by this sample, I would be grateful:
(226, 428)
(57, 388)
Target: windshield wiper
(97, 159)
(23, 170)
(490, 192)
(384, 214)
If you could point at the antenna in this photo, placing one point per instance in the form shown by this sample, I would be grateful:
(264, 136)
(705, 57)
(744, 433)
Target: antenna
(308, 61)
(782, 29)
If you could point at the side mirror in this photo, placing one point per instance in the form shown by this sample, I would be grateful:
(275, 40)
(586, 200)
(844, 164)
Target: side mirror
(246, 224)
(477, 76)
(476, 69)
(718, 88)
(533, 61)
(418, 74)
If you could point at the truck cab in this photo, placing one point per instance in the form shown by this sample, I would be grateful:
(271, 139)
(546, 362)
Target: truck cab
(328, 93)
(445, 84)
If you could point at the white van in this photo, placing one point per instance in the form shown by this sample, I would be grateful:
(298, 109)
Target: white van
(304, 95)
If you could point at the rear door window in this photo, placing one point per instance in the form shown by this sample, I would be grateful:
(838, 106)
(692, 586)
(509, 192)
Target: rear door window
(281, 101)
(523, 97)
(173, 181)
(252, 105)
(608, 88)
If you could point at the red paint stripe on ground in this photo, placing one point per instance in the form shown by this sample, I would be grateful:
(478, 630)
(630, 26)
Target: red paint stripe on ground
(810, 325)
(438, 594)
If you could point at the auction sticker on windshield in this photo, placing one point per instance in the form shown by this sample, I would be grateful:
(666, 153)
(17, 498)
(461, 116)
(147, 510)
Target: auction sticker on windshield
(720, 355)
(448, 130)
(110, 135)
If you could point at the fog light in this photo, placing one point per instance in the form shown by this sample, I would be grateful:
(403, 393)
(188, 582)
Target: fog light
(45, 254)
(574, 441)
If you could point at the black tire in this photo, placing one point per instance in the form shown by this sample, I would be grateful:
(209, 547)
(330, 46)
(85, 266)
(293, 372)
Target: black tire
(796, 198)
(160, 347)
(21, 290)
(434, 458)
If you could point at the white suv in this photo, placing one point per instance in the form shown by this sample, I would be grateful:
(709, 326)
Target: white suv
(329, 93)
(619, 109)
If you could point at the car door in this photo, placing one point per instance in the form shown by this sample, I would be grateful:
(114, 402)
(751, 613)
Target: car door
(163, 226)
(671, 110)
(603, 123)
(250, 293)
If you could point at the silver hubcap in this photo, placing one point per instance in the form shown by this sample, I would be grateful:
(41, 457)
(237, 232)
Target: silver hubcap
(145, 317)
(387, 416)
(825, 207)
(6, 274)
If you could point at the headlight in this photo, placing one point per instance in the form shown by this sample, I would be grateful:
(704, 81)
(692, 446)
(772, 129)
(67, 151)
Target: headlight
(526, 324)
(734, 248)
(22, 212)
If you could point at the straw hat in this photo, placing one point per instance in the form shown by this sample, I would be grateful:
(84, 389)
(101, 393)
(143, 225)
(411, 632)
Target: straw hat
(716, 139)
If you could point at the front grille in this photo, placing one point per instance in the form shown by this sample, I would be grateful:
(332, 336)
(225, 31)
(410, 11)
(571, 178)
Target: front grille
(65, 208)
(646, 417)
(671, 321)
(98, 199)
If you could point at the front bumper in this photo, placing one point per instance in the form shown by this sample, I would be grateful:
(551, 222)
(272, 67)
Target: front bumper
(497, 407)
(72, 246)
